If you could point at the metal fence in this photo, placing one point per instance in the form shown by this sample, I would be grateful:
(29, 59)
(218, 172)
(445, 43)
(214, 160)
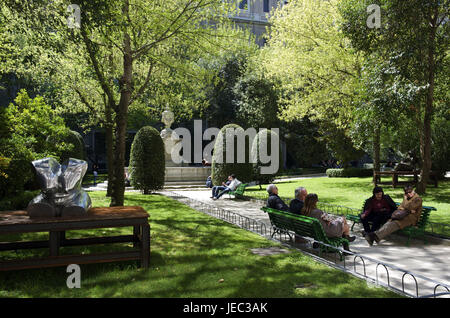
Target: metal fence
(373, 271)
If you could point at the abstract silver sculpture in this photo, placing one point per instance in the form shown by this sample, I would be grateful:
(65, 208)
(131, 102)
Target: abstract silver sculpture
(61, 192)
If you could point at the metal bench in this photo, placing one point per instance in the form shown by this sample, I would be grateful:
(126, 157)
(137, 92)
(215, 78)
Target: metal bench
(239, 190)
(417, 230)
(286, 222)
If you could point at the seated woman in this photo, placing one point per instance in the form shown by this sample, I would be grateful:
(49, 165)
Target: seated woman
(334, 226)
(377, 210)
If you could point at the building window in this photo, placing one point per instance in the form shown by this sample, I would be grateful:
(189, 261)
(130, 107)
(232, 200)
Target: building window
(266, 5)
(243, 4)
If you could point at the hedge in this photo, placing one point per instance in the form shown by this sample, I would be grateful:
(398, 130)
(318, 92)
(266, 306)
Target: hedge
(349, 172)
(260, 143)
(147, 161)
(221, 170)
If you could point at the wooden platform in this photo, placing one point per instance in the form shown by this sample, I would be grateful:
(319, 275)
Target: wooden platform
(109, 217)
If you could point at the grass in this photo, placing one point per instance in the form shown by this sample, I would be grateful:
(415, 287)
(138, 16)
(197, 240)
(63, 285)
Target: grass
(352, 192)
(88, 178)
(192, 255)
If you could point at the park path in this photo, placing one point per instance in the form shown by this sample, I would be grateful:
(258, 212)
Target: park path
(431, 260)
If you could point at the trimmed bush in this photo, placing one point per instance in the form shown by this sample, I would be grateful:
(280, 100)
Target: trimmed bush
(349, 172)
(77, 146)
(220, 169)
(18, 202)
(260, 143)
(147, 162)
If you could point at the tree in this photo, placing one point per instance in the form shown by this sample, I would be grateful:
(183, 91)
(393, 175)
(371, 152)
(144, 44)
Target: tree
(414, 36)
(121, 42)
(32, 131)
(256, 101)
(314, 64)
(147, 161)
(316, 70)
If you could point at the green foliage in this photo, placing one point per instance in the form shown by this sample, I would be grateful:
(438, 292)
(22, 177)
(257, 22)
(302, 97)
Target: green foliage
(220, 169)
(339, 144)
(222, 109)
(441, 145)
(32, 131)
(265, 143)
(304, 143)
(256, 101)
(75, 146)
(147, 161)
(18, 202)
(349, 172)
(313, 61)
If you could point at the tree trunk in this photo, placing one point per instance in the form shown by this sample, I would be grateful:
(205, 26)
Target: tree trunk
(109, 131)
(117, 198)
(425, 145)
(376, 150)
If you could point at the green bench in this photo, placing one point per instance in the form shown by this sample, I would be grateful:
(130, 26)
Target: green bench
(239, 190)
(417, 230)
(285, 222)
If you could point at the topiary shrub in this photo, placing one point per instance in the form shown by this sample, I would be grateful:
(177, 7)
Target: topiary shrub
(76, 149)
(349, 172)
(220, 168)
(147, 162)
(266, 145)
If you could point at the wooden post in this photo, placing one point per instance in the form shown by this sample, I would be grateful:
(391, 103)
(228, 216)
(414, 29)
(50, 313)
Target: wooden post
(54, 243)
(145, 245)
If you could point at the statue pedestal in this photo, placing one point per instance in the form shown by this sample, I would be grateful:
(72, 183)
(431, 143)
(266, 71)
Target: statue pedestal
(186, 174)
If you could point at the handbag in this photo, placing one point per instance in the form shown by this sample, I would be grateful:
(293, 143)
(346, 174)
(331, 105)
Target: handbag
(400, 214)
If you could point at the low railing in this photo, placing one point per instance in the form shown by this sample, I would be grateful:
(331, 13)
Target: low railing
(267, 231)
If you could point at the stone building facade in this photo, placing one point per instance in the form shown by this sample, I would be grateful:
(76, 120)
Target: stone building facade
(254, 14)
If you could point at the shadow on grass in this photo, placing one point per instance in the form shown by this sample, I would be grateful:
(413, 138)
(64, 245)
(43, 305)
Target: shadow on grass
(190, 254)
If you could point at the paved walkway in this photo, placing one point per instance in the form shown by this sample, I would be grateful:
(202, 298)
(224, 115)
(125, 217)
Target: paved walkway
(431, 260)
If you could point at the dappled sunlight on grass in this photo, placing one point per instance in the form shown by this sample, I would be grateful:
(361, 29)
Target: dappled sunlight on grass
(352, 192)
(192, 255)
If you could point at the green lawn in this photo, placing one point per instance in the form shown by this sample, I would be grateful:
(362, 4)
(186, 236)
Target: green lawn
(352, 192)
(192, 255)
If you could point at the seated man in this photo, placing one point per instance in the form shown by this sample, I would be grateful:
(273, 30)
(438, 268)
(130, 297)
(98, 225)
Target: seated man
(230, 187)
(217, 189)
(411, 202)
(377, 209)
(274, 201)
(296, 205)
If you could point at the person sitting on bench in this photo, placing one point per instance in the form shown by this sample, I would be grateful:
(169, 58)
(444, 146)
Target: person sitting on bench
(296, 205)
(377, 209)
(334, 226)
(274, 201)
(234, 183)
(217, 189)
(412, 202)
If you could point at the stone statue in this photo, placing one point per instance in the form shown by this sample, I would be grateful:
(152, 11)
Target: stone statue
(169, 137)
(61, 192)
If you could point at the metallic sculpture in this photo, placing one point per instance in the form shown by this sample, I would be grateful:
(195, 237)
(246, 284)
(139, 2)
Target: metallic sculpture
(61, 192)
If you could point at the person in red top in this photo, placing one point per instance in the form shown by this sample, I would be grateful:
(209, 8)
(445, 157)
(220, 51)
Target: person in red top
(377, 210)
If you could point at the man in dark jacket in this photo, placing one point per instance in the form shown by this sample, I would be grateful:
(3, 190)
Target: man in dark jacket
(274, 201)
(377, 210)
(296, 205)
